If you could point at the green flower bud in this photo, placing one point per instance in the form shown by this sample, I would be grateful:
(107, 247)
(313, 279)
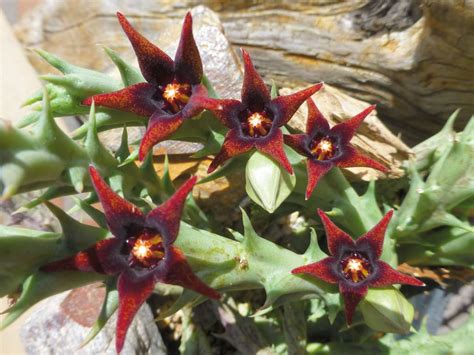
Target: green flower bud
(387, 310)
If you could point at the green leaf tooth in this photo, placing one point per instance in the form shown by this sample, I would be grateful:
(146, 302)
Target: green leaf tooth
(123, 151)
(36, 97)
(166, 179)
(187, 297)
(467, 137)
(234, 164)
(56, 62)
(274, 90)
(236, 235)
(314, 253)
(250, 236)
(42, 285)
(109, 307)
(129, 159)
(211, 92)
(50, 193)
(77, 236)
(130, 75)
(151, 179)
(30, 118)
(98, 154)
(79, 176)
(97, 215)
(212, 146)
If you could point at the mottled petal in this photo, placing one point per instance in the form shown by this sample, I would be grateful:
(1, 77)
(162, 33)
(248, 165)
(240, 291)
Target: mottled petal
(315, 171)
(227, 111)
(178, 272)
(324, 269)
(273, 146)
(373, 239)
(316, 120)
(99, 258)
(284, 107)
(233, 146)
(352, 158)
(156, 66)
(187, 62)
(298, 142)
(133, 292)
(336, 237)
(255, 94)
(160, 127)
(198, 102)
(136, 99)
(352, 295)
(119, 213)
(167, 216)
(386, 276)
(347, 129)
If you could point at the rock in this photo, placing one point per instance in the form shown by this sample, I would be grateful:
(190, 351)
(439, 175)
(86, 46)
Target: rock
(60, 324)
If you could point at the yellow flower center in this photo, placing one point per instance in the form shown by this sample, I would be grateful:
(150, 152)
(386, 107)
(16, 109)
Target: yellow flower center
(258, 125)
(148, 251)
(176, 95)
(323, 149)
(356, 268)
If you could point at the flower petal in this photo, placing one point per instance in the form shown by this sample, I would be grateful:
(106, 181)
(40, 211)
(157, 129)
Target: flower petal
(346, 130)
(99, 258)
(119, 213)
(272, 145)
(160, 127)
(352, 295)
(156, 66)
(323, 269)
(187, 62)
(386, 276)
(198, 102)
(255, 94)
(167, 216)
(352, 158)
(298, 143)
(315, 170)
(233, 145)
(336, 237)
(227, 111)
(135, 99)
(133, 292)
(316, 119)
(372, 241)
(178, 272)
(284, 107)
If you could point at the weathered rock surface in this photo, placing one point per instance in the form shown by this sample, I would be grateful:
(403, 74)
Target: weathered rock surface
(61, 323)
(412, 57)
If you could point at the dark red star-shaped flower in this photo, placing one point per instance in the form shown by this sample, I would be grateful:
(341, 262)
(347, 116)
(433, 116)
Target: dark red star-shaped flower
(327, 147)
(141, 251)
(255, 121)
(355, 265)
(173, 91)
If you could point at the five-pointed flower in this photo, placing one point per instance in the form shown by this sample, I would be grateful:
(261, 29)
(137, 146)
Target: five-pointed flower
(141, 251)
(355, 265)
(327, 147)
(255, 121)
(173, 91)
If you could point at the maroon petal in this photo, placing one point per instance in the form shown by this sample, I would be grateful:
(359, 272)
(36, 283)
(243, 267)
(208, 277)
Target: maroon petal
(133, 292)
(352, 295)
(156, 66)
(297, 142)
(316, 171)
(255, 94)
(347, 129)
(336, 237)
(323, 269)
(99, 258)
(284, 107)
(167, 216)
(160, 127)
(386, 276)
(316, 119)
(352, 158)
(233, 146)
(178, 272)
(135, 99)
(198, 102)
(273, 146)
(373, 239)
(187, 62)
(119, 213)
(226, 111)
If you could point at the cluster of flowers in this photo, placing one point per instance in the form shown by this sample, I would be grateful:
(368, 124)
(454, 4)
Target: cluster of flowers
(141, 252)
